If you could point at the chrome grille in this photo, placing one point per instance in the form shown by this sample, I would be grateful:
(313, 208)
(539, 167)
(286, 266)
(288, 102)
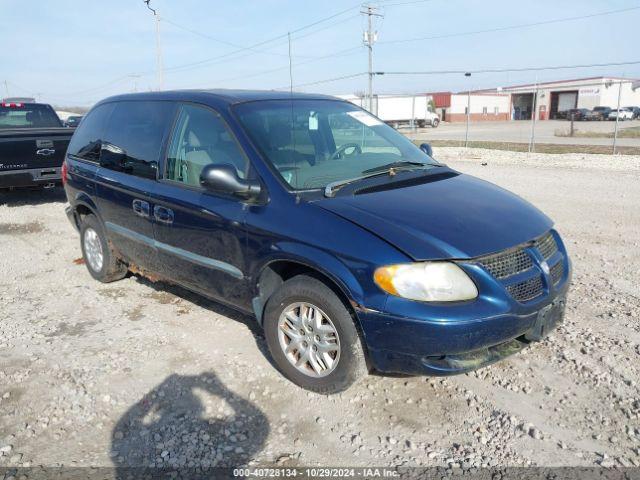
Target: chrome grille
(527, 290)
(556, 272)
(504, 265)
(546, 246)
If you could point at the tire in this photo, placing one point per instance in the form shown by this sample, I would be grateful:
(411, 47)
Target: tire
(93, 241)
(301, 292)
(435, 122)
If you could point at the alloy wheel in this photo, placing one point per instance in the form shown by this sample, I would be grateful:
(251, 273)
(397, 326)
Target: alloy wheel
(93, 249)
(309, 339)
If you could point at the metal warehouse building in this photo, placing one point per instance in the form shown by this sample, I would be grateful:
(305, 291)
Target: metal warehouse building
(489, 106)
(558, 96)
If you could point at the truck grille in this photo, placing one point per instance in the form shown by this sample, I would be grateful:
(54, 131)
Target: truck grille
(556, 272)
(527, 290)
(546, 246)
(520, 261)
(504, 265)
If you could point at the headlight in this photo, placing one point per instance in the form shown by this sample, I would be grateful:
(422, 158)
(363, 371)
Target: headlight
(426, 282)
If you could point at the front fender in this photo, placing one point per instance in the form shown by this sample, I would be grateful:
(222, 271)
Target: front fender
(322, 261)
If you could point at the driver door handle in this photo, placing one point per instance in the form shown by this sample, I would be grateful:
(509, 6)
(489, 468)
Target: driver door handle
(141, 208)
(163, 214)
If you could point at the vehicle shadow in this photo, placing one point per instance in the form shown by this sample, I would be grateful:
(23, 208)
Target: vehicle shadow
(179, 426)
(247, 320)
(31, 196)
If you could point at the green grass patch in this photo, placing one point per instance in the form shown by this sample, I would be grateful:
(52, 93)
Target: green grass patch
(629, 132)
(539, 147)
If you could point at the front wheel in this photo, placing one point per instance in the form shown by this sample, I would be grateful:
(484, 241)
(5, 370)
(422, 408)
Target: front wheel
(435, 122)
(312, 336)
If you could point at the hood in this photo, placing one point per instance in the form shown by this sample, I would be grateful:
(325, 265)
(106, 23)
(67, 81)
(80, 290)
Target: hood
(457, 217)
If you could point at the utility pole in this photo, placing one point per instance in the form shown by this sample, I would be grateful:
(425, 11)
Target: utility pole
(466, 132)
(6, 87)
(158, 47)
(370, 37)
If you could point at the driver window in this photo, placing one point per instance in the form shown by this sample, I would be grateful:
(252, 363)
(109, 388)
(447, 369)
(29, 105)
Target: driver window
(201, 138)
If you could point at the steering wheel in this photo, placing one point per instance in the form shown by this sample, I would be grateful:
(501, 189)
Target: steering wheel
(342, 149)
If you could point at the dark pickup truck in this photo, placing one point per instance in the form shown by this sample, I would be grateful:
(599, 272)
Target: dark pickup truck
(32, 145)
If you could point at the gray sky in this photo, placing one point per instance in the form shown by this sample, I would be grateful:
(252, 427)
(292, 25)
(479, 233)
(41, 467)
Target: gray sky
(77, 52)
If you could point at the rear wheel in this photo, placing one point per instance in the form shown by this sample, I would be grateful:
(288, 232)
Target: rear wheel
(99, 257)
(312, 336)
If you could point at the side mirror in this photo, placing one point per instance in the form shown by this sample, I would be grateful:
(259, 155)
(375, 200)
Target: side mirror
(426, 148)
(224, 179)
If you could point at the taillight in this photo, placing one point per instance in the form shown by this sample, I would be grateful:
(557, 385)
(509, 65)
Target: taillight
(63, 172)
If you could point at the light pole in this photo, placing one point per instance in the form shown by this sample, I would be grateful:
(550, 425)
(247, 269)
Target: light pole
(532, 139)
(466, 133)
(158, 46)
(615, 131)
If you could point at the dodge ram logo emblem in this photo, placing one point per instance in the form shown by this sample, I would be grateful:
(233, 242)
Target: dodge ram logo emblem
(545, 267)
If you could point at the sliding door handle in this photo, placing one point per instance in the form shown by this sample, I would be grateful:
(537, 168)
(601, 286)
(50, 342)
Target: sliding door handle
(163, 214)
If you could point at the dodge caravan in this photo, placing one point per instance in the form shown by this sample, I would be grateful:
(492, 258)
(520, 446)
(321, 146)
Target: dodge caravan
(353, 249)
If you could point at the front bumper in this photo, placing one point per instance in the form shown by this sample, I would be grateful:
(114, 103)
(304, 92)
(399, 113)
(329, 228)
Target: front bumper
(449, 348)
(445, 339)
(32, 177)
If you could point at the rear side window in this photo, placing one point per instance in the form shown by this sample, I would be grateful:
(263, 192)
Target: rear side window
(26, 115)
(87, 139)
(135, 130)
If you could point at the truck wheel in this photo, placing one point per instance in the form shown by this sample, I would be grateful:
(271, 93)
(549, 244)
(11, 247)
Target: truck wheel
(435, 122)
(312, 337)
(98, 256)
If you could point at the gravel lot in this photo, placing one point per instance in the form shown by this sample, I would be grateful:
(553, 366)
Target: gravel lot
(520, 131)
(134, 373)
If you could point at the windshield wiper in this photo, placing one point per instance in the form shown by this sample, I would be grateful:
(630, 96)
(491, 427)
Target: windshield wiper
(396, 166)
(376, 172)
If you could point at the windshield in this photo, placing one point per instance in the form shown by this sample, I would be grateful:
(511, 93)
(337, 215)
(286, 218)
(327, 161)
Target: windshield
(22, 115)
(313, 143)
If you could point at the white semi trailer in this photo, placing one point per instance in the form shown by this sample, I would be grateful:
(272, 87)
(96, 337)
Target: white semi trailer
(400, 110)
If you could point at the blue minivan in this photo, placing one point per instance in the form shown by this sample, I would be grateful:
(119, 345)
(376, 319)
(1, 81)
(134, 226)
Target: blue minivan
(354, 249)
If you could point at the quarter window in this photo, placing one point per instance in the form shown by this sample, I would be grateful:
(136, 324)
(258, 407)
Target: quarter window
(134, 136)
(87, 139)
(201, 138)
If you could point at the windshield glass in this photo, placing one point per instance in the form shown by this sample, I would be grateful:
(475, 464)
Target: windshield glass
(312, 143)
(27, 116)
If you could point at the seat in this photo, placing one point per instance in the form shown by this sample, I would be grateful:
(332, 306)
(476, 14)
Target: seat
(196, 158)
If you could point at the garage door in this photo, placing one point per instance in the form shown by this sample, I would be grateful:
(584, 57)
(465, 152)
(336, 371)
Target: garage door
(567, 101)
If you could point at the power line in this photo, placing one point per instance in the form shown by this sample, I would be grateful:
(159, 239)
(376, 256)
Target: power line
(223, 42)
(446, 72)
(382, 3)
(510, 27)
(264, 42)
(326, 80)
(340, 53)
(506, 70)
